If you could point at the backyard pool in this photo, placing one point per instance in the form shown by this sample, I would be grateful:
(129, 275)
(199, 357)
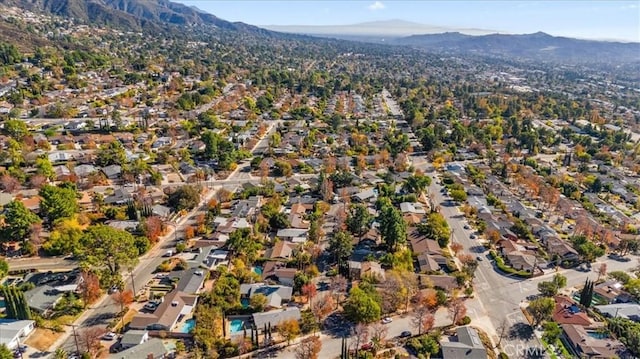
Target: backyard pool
(597, 335)
(245, 302)
(188, 326)
(236, 326)
(257, 270)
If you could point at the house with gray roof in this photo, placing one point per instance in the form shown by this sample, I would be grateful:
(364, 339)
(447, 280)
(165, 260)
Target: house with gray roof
(43, 298)
(630, 311)
(465, 344)
(132, 338)
(276, 294)
(275, 317)
(151, 349)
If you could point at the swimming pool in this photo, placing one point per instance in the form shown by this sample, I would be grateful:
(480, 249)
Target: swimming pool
(236, 326)
(257, 270)
(597, 335)
(188, 326)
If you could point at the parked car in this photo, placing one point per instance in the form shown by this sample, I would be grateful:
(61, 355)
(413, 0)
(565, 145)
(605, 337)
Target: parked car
(405, 334)
(479, 258)
(386, 320)
(466, 226)
(113, 289)
(473, 236)
(151, 306)
(109, 336)
(169, 253)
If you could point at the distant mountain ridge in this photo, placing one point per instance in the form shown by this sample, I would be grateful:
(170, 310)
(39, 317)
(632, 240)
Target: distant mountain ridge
(538, 46)
(132, 14)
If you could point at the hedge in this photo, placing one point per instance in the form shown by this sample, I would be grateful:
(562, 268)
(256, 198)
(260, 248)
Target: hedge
(505, 268)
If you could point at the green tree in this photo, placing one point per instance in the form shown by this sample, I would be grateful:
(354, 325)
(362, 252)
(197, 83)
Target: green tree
(552, 332)
(57, 202)
(458, 195)
(541, 309)
(111, 154)
(108, 249)
(5, 353)
(184, 197)
(18, 220)
(548, 288)
(437, 228)
(425, 345)
(362, 307)
(393, 228)
(4, 268)
(258, 302)
(16, 129)
(588, 250)
(417, 183)
(560, 280)
(586, 295)
(242, 243)
(44, 167)
(341, 247)
(359, 220)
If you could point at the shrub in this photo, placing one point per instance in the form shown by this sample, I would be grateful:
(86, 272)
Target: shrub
(466, 320)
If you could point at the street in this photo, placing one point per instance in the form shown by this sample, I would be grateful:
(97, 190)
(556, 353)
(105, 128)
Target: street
(102, 312)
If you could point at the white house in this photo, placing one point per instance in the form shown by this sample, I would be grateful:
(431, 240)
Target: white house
(15, 332)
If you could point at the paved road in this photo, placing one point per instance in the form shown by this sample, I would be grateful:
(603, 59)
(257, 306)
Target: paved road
(500, 296)
(104, 311)
(41, 264)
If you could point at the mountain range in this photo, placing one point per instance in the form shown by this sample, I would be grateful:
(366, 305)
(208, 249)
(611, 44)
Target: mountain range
(164, 15)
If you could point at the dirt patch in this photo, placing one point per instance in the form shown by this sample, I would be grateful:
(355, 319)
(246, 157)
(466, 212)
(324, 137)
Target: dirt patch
(42, 339)
(127, 318)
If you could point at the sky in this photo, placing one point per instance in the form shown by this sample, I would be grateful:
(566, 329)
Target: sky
(602, 20)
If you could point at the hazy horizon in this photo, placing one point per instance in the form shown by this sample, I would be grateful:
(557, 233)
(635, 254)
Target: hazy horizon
(597, 20)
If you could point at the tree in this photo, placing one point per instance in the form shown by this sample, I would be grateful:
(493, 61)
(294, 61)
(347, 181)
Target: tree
(457, 310)
(378, 332)
(242, 243)
(338, 286)
(393, 228)
(184, 197)
(112, 153)
(309, 290)
(309, 348)
(456, 247)
(423, 320)
(458, 195)
(45, 168)
(258, 302)
(5, 352)
(123, 298)
(548, 288)
(417, 183)
(602, 270)
(16, 129)
(359, 220)
(425, 345)
(541, 309)
(322, 308)
(586, 295)
(89, 288)
(57, 202)
(16, 305)
(437, 228)
(362, 307)
(289, 329)
(108, 249)
(552, 332)
(18, 220)
(89, 339)
(341, 247)
(588, 250)
(154, 227)
(559, 280)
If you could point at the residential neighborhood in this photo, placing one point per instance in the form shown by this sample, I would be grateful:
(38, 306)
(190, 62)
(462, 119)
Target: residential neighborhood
(328, 201)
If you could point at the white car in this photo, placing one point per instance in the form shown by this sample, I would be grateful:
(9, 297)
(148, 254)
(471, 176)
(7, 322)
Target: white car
(109, 336)
(387, 320)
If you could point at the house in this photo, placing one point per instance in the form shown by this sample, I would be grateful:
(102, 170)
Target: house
(584, 344)
(43, 298)
(275, 317)
(465, 344)
(630, 311)
(132, 338)
(444, 282)
(293, 235)
(161, 211)
(611, 292)
(568, 312)
(14, 332)
(190, 281)
(359, 270)
(119, 196)
(83, 171)
(112, 171)
(522, 261)
(175, 305)
(209, 257)
(427, 263)
(277, 271)
(280, 250)
(276, 294)
(151, 349)
(561, 250)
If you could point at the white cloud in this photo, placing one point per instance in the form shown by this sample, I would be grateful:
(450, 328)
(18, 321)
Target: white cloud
(378, 5)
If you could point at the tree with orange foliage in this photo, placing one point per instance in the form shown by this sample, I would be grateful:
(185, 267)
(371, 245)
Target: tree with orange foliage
(456, 247)
(423, 320)
(310, 291)
(322, 308)
(89, 340)
(330, 165)
(189, 232)
(89, 288)
(154, 227)
(123, 298)
(493, 236)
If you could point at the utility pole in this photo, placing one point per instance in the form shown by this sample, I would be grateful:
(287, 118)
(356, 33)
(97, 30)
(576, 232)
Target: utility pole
(133, 283)
(75, 338)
